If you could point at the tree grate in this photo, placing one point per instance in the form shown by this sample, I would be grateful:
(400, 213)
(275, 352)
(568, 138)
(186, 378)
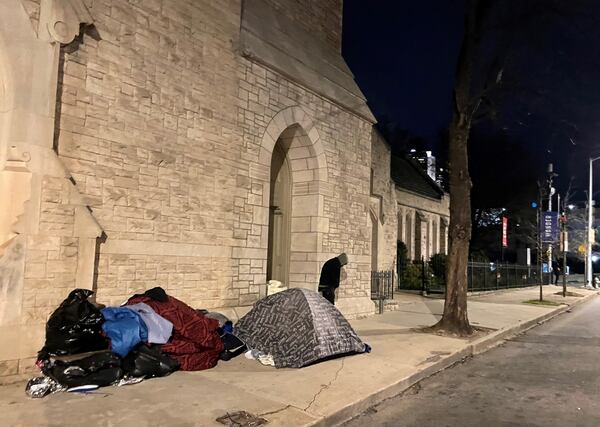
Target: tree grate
(241, 419)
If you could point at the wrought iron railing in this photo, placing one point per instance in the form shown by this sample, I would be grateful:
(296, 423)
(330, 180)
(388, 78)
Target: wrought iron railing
(382, 287)
(430, 276)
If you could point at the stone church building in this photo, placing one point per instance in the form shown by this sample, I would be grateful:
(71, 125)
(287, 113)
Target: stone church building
(183, 144)
(406, 205)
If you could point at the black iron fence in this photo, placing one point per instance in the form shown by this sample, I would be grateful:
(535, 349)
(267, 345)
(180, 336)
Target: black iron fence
(430, 276)
(487, 276)
(382, 287)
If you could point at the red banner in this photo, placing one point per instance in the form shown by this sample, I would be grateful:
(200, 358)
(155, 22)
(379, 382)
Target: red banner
(504, 232)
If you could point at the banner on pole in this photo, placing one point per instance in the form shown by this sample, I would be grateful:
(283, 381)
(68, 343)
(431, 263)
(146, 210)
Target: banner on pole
(504, 232)
(549, 227)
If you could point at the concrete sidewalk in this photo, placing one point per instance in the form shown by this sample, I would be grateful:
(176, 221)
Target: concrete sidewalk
(324, 394)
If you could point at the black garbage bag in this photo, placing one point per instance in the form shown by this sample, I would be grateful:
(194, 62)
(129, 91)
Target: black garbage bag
(233, 346)
(99, 369)
(74, 327)
(148, 361)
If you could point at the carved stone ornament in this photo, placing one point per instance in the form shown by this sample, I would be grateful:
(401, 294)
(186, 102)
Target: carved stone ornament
(64, 18)
(16, 160)
(15, 155)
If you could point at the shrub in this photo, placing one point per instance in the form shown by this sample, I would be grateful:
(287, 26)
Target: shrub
(479, 256)
(411, 276)
(437, 263)
(401, 255)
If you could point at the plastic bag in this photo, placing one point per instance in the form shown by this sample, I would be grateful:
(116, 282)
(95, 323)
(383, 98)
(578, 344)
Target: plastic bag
(149, 362)
(127, 380)
(221, 318)
(74, 327)
(99, 369)
(39, 387)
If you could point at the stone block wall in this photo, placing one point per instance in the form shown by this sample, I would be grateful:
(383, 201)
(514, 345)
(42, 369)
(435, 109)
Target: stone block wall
(51, 256)
(161, 123)
(384, 203)
(346, 144)
(55, 258)
(148, 129)
(161, 141)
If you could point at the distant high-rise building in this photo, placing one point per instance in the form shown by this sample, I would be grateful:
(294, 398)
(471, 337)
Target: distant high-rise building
(426, 160)
(442, 178)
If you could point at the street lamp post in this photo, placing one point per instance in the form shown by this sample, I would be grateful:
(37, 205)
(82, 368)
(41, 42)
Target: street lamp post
(551, 175)
(590, 234)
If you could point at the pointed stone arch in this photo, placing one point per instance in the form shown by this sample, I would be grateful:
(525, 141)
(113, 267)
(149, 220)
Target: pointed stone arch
(297, 134)
(288, 118)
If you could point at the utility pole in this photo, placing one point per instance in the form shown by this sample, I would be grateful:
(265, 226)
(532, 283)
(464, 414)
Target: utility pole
(590, 230)
(551, 175)
(588, 253)
(539, 246)
(565, 243)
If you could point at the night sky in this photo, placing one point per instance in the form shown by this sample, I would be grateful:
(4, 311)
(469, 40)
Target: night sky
(403, 55)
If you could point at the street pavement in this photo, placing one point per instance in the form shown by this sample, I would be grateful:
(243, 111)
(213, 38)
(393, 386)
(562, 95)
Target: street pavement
(322, 394)
(548, 376)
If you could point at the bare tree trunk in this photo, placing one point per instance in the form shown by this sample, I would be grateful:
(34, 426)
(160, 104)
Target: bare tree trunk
(455, 319)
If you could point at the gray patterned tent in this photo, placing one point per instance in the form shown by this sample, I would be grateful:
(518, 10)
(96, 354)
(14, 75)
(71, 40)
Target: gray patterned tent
(297, 327)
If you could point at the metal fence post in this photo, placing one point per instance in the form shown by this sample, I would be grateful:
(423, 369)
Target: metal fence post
(484, 279)
(472, 282)
(381, 292)
(423, 289)
(382, 287)
(498, 273)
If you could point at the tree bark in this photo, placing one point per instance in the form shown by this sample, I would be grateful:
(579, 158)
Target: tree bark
(455, 319)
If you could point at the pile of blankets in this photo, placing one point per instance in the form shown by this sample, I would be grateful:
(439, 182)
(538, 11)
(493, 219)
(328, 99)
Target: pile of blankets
(151, 335)
(195, 342)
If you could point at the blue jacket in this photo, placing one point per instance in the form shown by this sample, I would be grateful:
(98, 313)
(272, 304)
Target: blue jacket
(125, 328)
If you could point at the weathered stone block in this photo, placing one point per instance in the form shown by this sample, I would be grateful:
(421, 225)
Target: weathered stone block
(304, 242)
(35, 270)
(9, 367)
(61, 266)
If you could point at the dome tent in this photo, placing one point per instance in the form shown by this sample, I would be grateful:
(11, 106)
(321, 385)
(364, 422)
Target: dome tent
(298, 327)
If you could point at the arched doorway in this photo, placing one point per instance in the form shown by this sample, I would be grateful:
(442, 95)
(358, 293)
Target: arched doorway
(292, 220)
(278, 252)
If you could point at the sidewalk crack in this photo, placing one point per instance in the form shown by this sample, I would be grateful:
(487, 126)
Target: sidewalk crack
(275, 411)
(326, 386)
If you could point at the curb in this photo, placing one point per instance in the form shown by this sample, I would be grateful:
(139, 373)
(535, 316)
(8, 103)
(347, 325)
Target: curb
(479, 346)
(499, 291)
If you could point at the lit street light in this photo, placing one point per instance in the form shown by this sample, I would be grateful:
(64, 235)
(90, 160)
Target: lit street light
(591, 235)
